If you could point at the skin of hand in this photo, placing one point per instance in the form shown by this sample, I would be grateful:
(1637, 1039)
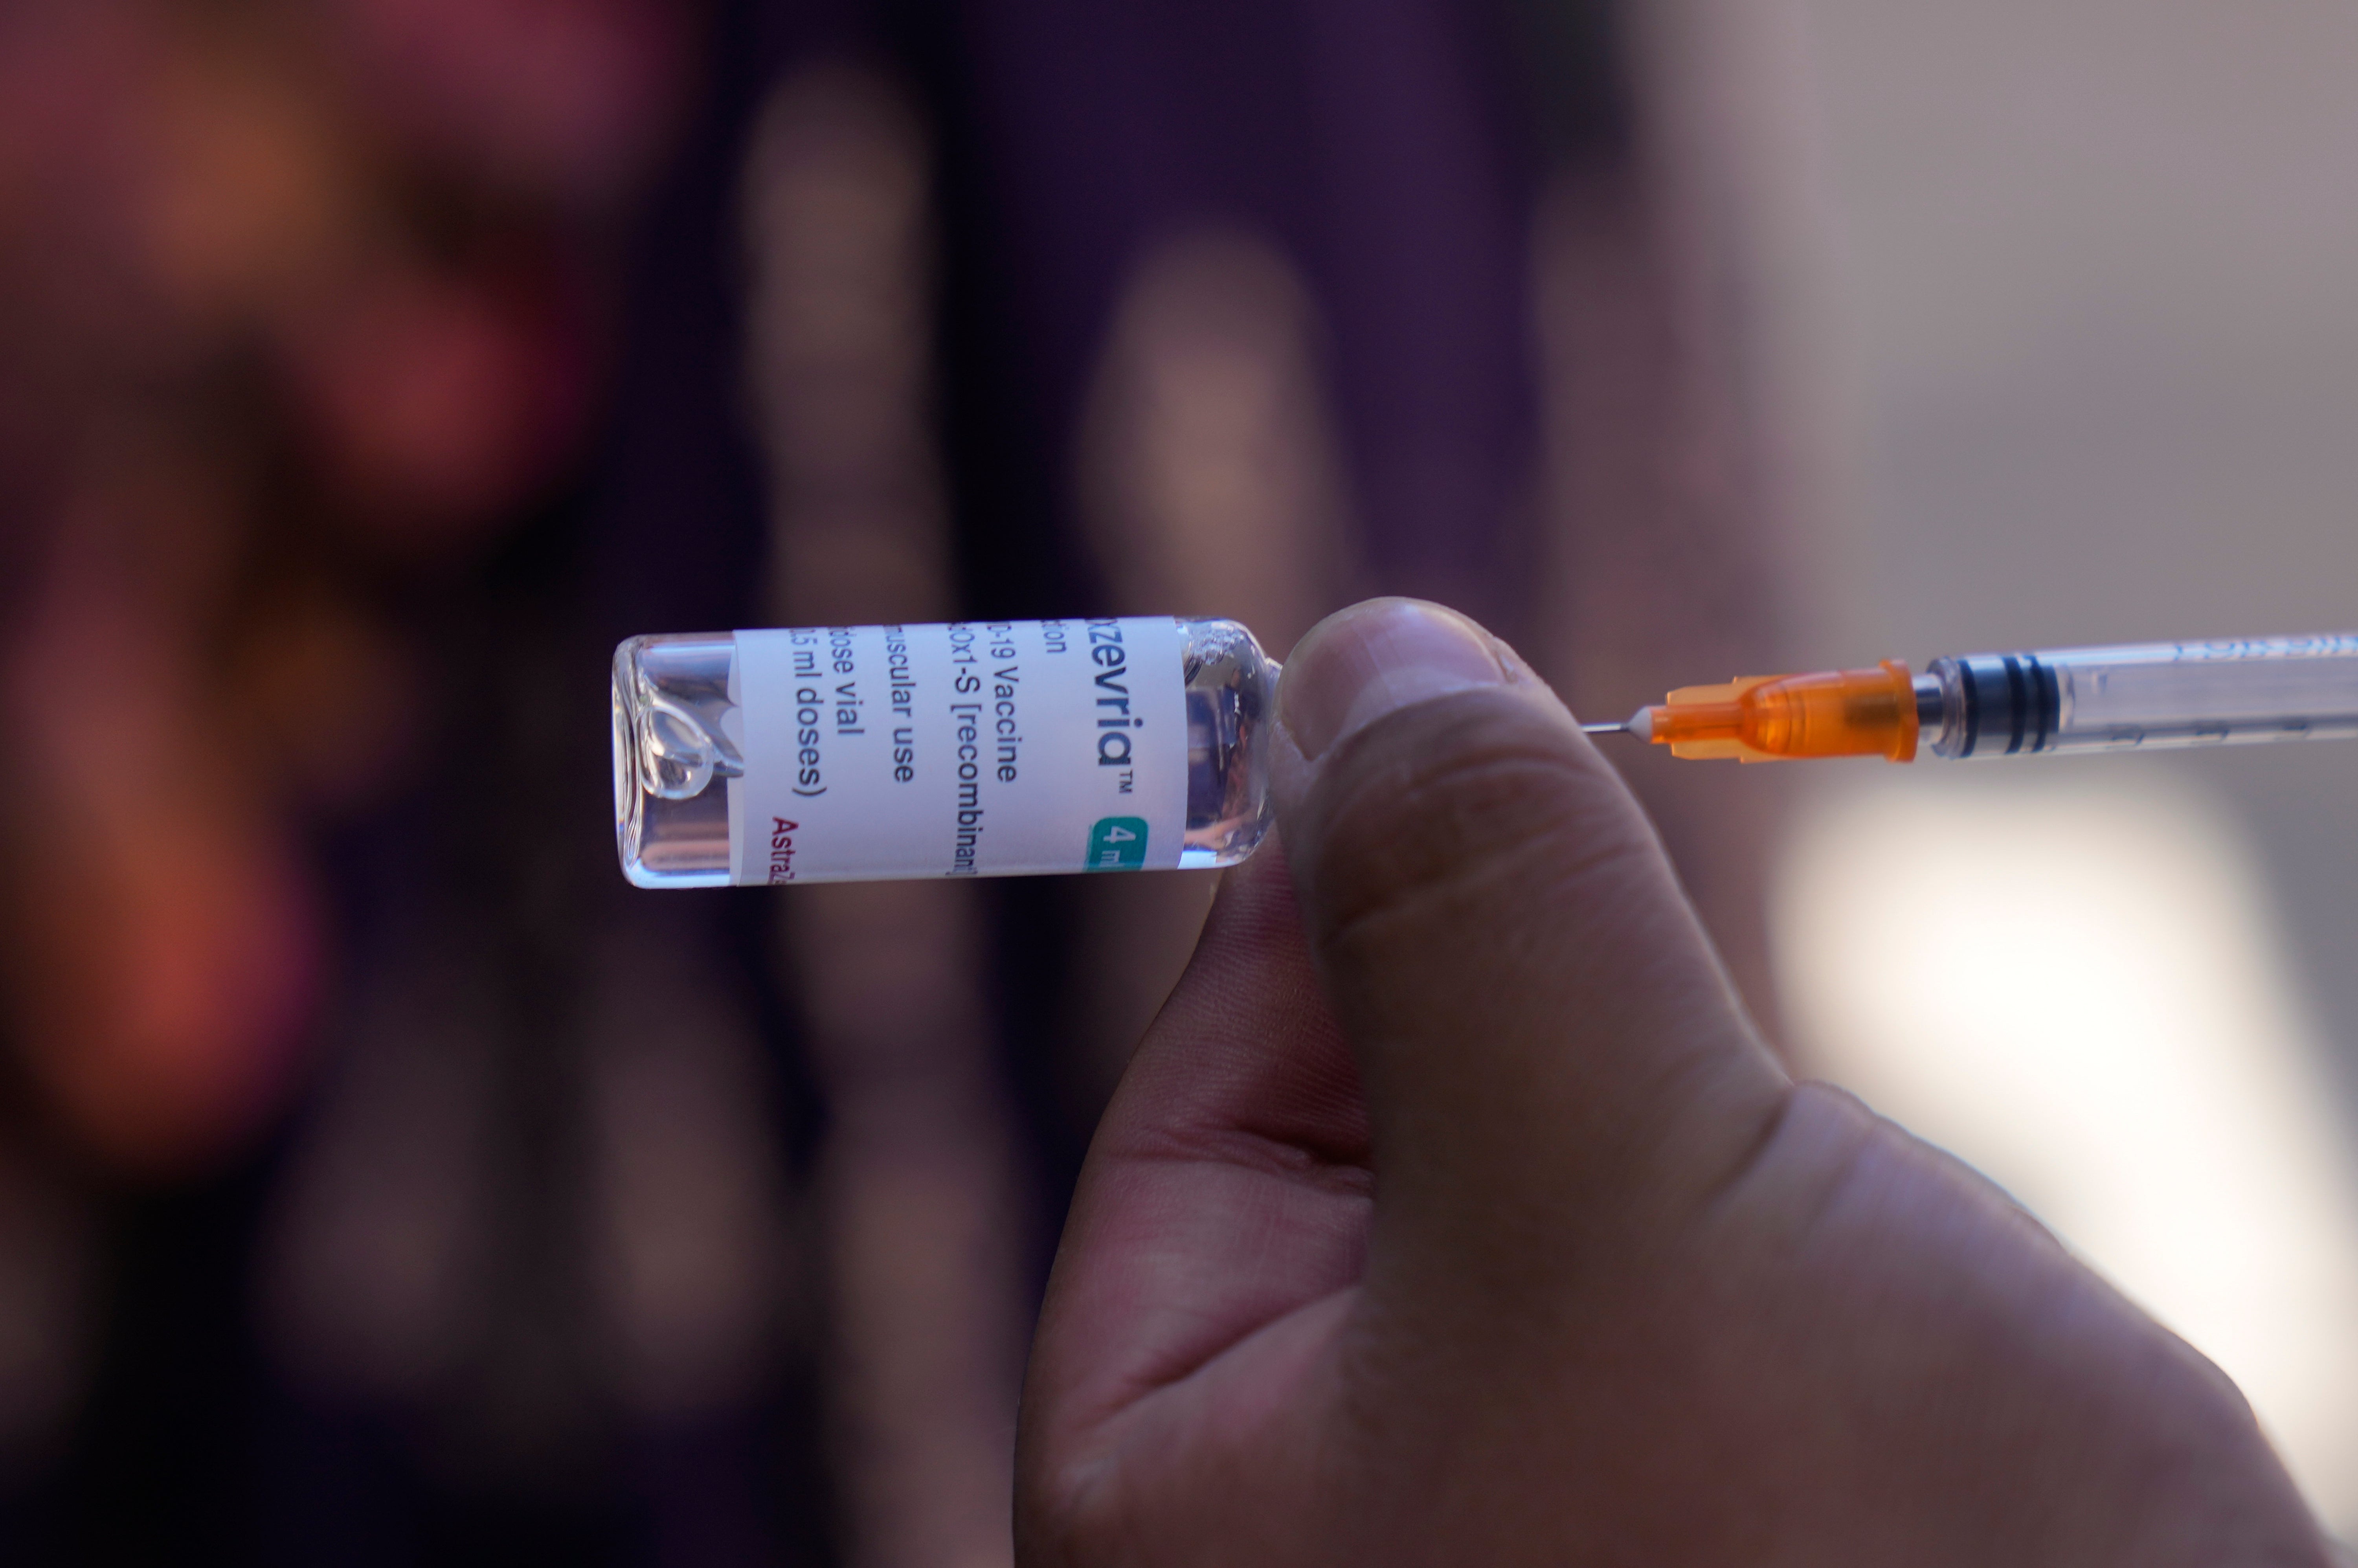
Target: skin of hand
(1453, 1211)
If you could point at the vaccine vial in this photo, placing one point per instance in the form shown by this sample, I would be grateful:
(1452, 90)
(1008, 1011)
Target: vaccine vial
(972, 748)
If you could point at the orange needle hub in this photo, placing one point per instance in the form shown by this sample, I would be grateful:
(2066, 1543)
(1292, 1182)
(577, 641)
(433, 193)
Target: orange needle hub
(1768, 719)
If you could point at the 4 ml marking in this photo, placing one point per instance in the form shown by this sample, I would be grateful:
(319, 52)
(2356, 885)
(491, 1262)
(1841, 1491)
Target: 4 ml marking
(1116, 844)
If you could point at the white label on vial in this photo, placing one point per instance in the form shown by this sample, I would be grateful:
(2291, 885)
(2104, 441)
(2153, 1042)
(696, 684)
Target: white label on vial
(981, 748)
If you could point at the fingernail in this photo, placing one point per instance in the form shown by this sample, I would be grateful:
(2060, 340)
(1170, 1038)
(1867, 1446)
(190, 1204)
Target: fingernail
(1362, 663)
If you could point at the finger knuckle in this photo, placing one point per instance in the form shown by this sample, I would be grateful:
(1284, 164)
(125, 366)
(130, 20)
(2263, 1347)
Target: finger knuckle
(1455, 803)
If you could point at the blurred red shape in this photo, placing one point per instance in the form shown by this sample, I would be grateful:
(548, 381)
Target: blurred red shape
(438, 402)
(162, 947)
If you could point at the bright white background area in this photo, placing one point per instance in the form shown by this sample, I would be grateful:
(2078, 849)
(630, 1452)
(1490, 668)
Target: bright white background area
(2080, 988)
(2092, 285)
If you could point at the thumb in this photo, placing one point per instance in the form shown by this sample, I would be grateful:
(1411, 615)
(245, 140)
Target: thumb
(1551, 1053)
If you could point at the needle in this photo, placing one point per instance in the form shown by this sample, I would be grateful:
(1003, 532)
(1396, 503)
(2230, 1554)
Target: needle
(1639, 724)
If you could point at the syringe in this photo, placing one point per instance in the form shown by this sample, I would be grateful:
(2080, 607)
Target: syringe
(2138, 697)
(1014, 748)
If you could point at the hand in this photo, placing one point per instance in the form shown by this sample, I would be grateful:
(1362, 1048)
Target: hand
(1454, 1214)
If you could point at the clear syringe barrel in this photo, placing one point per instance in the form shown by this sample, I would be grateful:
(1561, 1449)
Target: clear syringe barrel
(2141, 696)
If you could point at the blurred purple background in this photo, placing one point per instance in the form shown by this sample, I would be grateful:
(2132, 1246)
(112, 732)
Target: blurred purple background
(381, 1180)
(384, 1181)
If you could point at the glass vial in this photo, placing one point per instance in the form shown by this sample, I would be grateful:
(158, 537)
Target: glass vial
(1003, 748)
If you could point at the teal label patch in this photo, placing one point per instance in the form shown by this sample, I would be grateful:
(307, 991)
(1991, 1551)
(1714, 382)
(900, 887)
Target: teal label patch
(1117, 844)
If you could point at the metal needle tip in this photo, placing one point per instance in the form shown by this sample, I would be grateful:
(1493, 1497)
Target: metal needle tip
(1618, 727)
